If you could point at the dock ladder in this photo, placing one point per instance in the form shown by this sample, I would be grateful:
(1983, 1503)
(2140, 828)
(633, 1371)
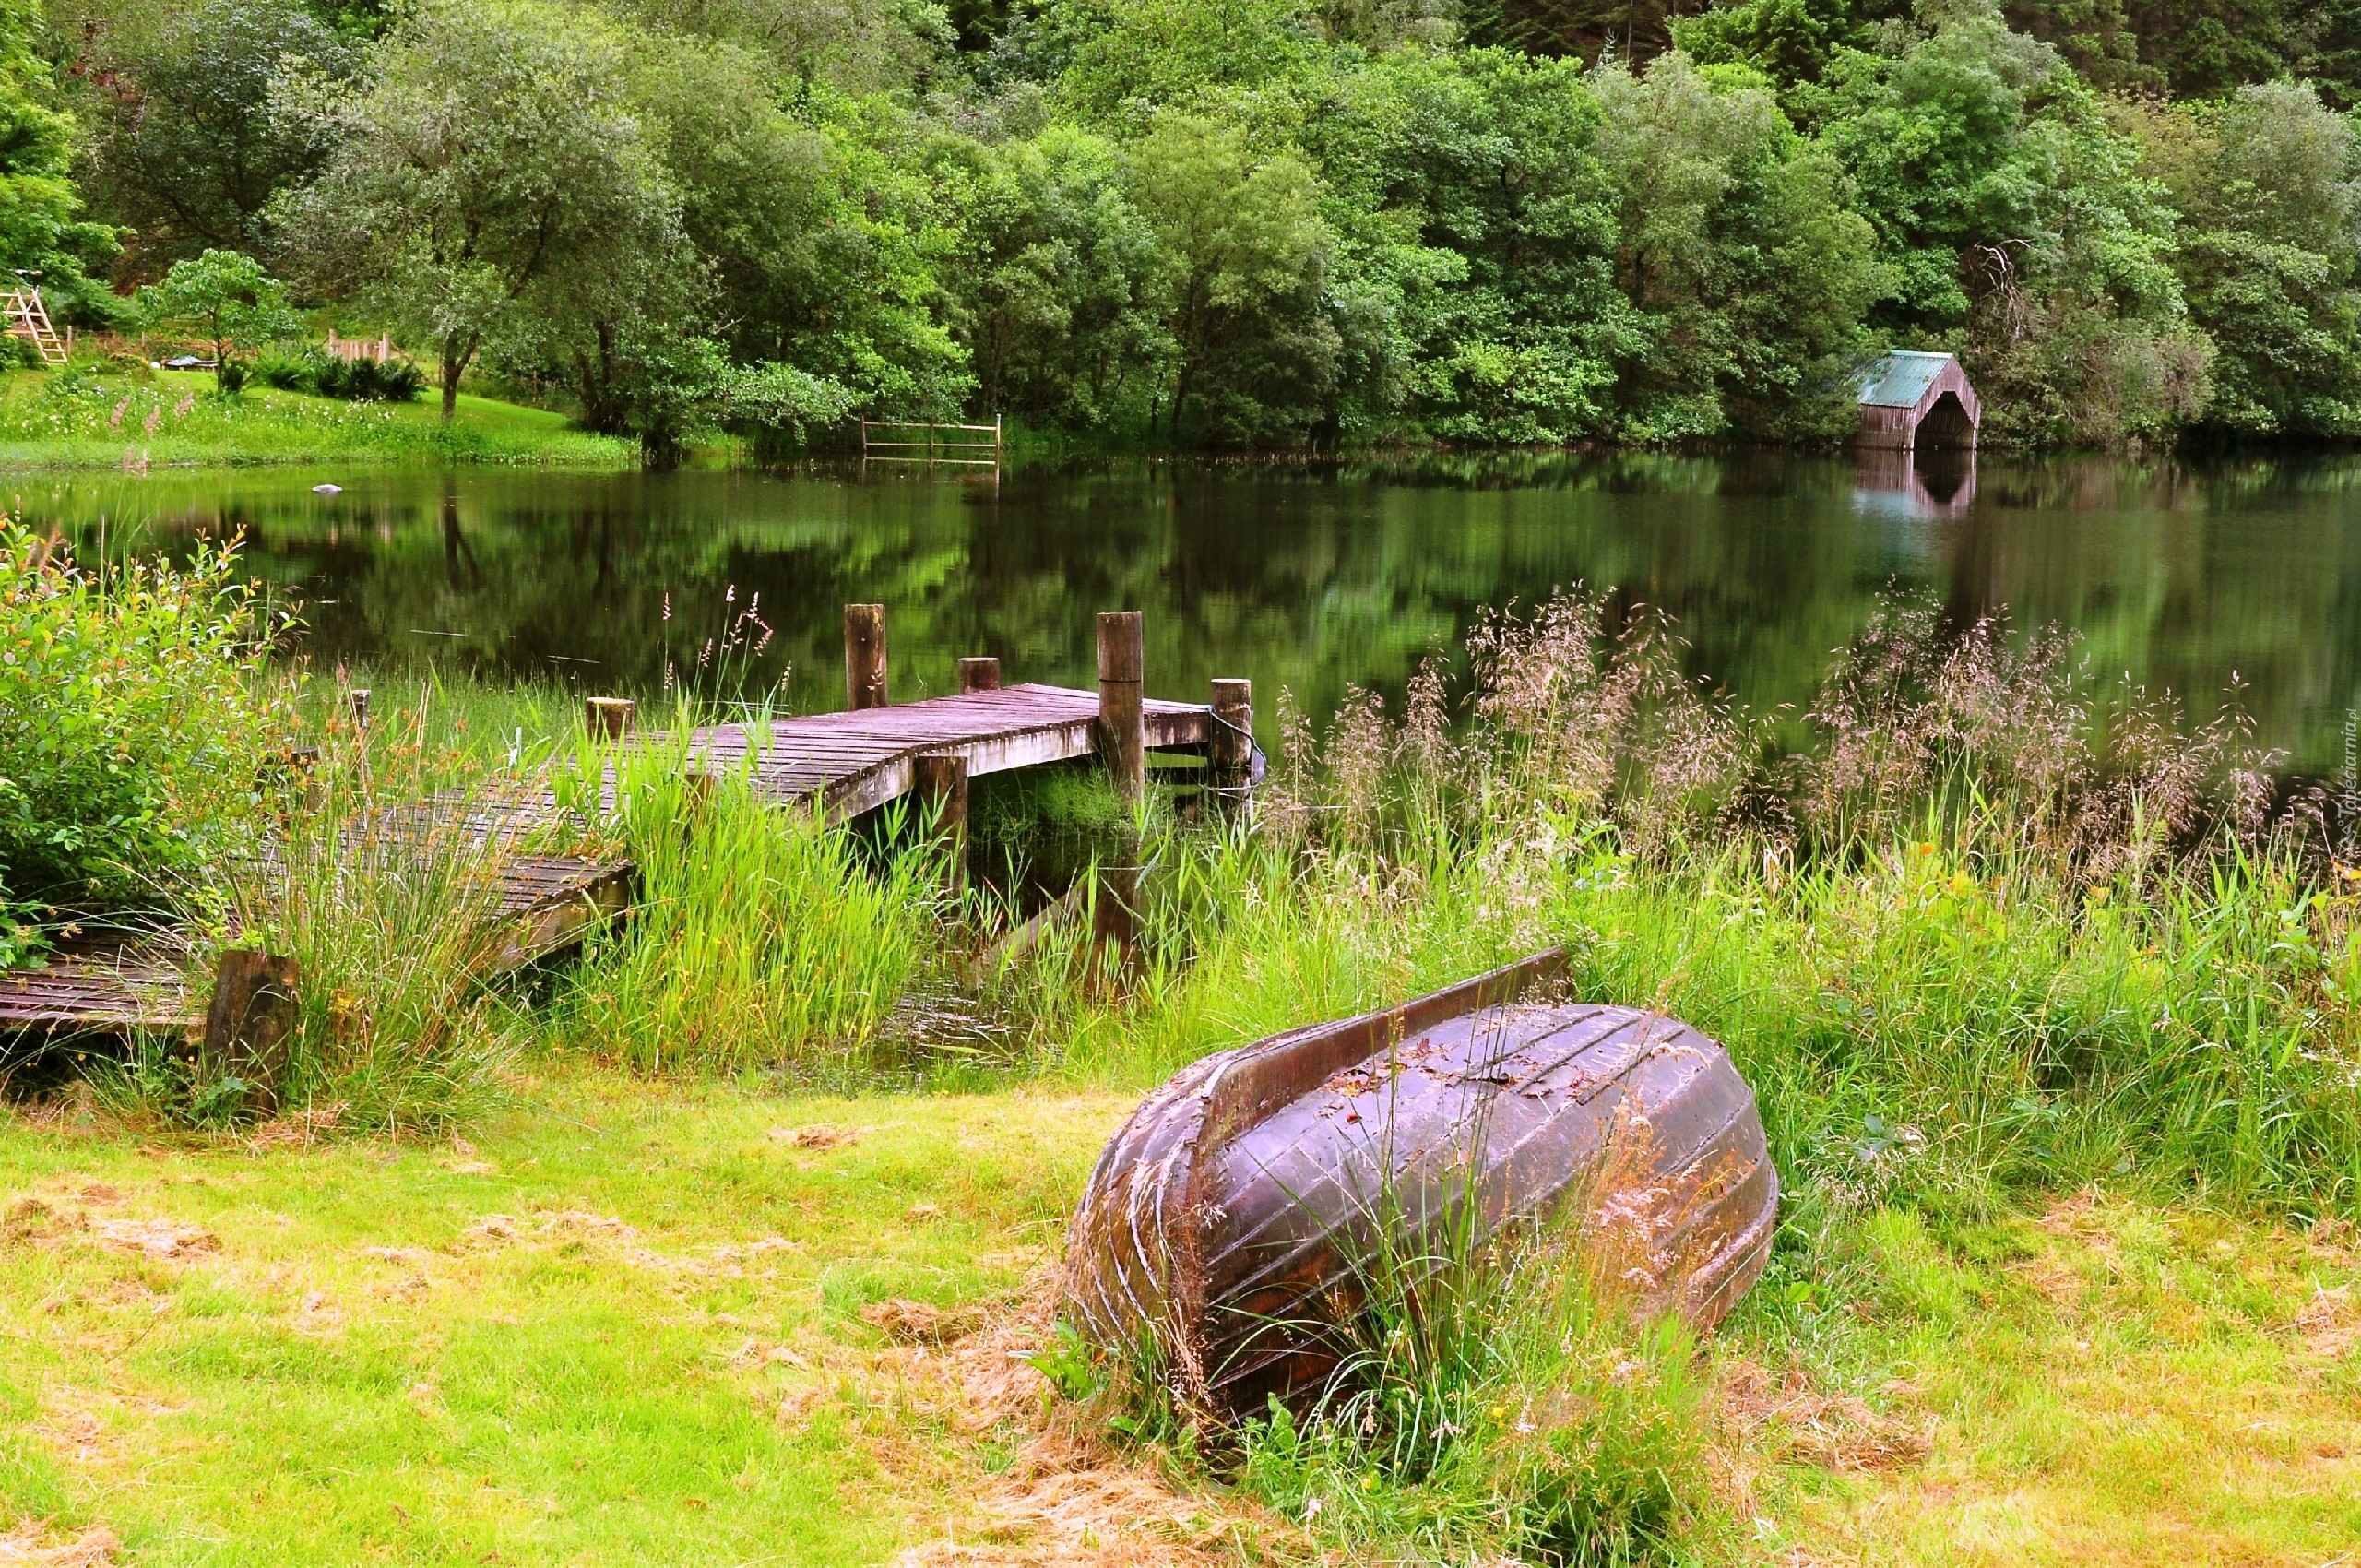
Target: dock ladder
(29, 318)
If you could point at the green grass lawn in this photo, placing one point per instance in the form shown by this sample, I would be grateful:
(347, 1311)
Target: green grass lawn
(624, 1323)
(111, 419)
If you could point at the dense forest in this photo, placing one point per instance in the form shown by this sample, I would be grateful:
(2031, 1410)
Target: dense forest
(1239, 221)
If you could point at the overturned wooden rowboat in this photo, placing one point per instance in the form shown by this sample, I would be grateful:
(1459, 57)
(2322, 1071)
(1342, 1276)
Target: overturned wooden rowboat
(1221, 1228)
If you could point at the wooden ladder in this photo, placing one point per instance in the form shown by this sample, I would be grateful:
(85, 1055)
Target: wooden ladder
(29, 318)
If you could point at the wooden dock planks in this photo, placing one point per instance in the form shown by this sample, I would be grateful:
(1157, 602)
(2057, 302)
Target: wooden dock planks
(856, 762)
(546, 902)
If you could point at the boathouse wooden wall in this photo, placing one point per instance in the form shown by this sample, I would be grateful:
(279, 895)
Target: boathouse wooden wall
(1904, 429)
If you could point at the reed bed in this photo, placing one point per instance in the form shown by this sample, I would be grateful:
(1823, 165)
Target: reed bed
(760, 937)
(1994, 932)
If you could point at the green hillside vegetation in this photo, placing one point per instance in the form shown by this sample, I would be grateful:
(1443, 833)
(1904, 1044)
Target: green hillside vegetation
(90, 418)
(1247, 222)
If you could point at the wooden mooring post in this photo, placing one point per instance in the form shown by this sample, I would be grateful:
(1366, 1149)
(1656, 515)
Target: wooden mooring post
(864, 655)
(247, 1023)
(1230, 751)
(1122, 732)
(609, 718)
(980, 674)
(356, 703)
(940, 782)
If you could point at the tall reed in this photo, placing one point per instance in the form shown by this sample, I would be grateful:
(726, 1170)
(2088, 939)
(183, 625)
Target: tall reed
(1995, 930)
(759, 935)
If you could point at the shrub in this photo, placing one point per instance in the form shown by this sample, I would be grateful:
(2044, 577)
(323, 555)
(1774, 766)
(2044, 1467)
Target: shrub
(295, 367)
(370, 381)
(135, 739)
(307, 367)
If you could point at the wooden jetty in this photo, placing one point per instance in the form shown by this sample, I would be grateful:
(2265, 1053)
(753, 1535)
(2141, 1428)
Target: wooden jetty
(846, 762)
(1232, 1221)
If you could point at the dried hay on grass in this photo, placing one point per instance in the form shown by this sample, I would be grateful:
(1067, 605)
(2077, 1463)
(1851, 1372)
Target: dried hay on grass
(297, 1128)
(1798, 1424)
(1069, 1499)
(34, 1541)
(2330, 1323)
(819, 1137)
(916, 1323)
(157, 1240)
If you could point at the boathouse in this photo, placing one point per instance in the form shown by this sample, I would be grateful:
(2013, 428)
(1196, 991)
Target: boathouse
(1910, 400)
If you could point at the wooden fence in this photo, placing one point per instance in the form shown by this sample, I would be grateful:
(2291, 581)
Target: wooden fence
(978, 443)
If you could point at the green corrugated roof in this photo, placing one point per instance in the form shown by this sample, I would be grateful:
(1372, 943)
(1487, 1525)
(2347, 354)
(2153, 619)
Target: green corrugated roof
(1900, 378)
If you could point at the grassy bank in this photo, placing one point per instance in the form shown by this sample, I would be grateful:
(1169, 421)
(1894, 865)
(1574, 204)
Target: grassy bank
(89, 419)
(2047, 1000)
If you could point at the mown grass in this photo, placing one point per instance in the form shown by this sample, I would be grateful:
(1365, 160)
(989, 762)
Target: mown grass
(423, 1350)
(83, 418)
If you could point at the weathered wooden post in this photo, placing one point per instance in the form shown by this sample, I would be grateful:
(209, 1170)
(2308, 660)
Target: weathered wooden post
(247, 1023)
(1122, 731)
(1230, 758)
(356, 703)
(940, 786)
(864, 655)
(609, 718)
(1114, 914)
(980, 674)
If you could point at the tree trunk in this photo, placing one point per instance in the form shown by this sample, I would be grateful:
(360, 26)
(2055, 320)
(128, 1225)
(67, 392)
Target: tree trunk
(457, 352)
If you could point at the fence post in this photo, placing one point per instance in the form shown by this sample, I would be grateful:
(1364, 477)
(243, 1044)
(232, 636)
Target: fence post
(864, 655)
(356, 703)
(980, 674)
(1123, 735)
(247, 1023)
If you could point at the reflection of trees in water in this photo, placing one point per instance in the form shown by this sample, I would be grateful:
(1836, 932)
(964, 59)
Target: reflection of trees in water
(1309, 575)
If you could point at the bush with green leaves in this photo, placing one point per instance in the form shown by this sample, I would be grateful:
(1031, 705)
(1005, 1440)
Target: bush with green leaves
(137, 737)
(226, 300)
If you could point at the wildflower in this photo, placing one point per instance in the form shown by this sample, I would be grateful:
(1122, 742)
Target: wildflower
(1963, 884)
(1369, 1483)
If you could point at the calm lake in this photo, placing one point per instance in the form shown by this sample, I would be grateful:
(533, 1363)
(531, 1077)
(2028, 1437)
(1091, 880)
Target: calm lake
(1309, 577)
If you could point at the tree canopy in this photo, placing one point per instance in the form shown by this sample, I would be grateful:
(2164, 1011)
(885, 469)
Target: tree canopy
(1253, 221)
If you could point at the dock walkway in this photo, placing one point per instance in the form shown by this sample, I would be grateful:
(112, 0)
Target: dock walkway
(855, 762)
(847, 763)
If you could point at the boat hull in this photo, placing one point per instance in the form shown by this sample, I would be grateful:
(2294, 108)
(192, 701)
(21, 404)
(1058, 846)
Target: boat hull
(1228, 1224)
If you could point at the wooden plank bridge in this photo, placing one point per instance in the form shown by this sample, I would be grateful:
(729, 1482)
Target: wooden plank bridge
(846, 762)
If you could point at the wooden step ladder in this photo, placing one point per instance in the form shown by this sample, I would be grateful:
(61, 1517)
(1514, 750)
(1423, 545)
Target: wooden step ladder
(29, 318)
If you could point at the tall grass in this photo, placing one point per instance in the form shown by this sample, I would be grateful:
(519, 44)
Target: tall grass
(384, 888)
(1994, 930)
(760, 935)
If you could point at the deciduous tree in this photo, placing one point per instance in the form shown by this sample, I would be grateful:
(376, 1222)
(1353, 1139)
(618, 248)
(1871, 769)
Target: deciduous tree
(489, 169)
(227, 300)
